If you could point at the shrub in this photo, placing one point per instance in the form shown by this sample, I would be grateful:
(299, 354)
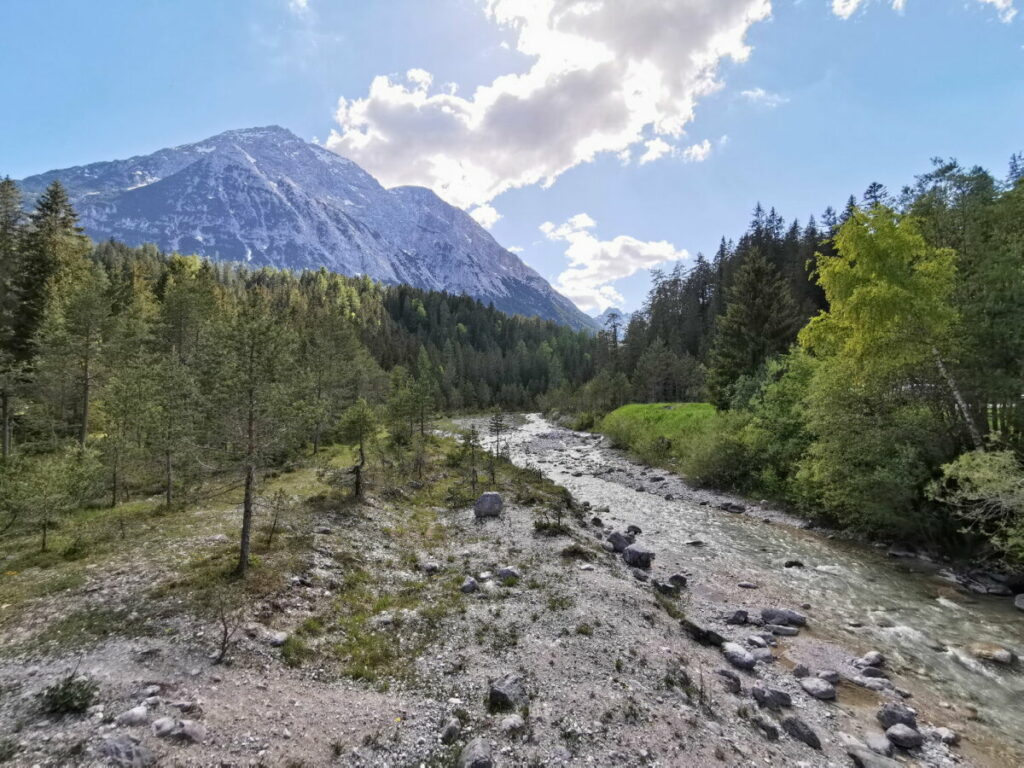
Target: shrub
(71, 694)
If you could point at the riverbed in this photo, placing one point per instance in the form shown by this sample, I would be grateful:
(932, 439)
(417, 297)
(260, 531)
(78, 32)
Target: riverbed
(856, 597)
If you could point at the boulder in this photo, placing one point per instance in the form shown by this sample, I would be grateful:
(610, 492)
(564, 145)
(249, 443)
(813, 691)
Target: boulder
(870, 659)
(873, 672)
(665, 588)
(469, 585)
(801, 731)
(765, 726)
(770, 698)
(801, 670)
(904, 736)
(830, 675)
(507, 692)
(947, 736)
(476, 754)
(677, 580)
(127, 752)
(640, 575)
(638, 556)
(783, 616)
(782, 630)
(737, 617)
(879, 744)
(730, 680)
(738, 656)
(864, 758)
(633, 530)
(513, 724)
(164, 727)
(818, 688)
(620, 540)
(701, 634)
(451, 731)
(991, 652)
(489, 504)
(1018, 602)
(891, 713)
(135, 716)
(509, 572)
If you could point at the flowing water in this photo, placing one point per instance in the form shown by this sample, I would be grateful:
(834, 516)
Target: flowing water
(905, 608)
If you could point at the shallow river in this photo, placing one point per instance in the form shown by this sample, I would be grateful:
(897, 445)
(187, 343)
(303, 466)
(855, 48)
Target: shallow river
(904, 608)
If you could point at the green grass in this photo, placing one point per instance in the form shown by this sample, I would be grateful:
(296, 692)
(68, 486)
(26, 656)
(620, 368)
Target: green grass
(642, 426)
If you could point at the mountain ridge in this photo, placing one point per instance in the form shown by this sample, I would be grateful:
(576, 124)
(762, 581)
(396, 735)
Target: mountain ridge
(266, 197)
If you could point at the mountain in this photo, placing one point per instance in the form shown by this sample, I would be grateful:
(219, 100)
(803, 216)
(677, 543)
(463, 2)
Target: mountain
(264, 196)
(602, 320)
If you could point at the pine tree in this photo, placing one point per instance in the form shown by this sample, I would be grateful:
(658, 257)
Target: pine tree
(760, 321)
(358, 426)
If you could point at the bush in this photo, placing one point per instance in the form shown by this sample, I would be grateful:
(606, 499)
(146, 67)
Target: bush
(71, 694)
(717, 457)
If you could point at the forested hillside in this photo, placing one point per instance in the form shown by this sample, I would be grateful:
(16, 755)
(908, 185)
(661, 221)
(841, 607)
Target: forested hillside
(126, 371)
(867, 368)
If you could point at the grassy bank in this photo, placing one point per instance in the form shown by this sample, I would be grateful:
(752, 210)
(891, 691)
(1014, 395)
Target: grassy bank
(693, 439)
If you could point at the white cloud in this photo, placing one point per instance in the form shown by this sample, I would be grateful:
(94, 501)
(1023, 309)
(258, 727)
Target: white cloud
(604, 76)
(765, 98)
(656, 148)
(486, 215)
(514, 249)
(846, 8)
(697, 153)
(594, 265)
(298, 6)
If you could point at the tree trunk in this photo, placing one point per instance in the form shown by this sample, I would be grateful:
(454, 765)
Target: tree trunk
(5, 422)
(114, 483)
(961, 403)
(44, 538)
(168, 478)
(247, 505)
(86, 386)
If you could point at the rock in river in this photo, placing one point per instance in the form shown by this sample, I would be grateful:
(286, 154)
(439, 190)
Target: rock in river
(1018, 602)
(891, 713)
(738, 656)
(488, 505)
(991, 652)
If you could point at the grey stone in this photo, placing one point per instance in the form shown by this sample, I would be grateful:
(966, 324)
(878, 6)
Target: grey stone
(665, 588)
(164, 727)
(801, 731)
(878, 743)
(476, 754)
(991, 652)
(126, 752)
(872, 683)
(190, 731)
(275, 639)
(864, 758)
(765, 726)
(513, 724)
(891, 713)
(1018, 602)
(701, 634)
(736, 509)
(638, 556)
(430, 566)
(770, 698)
(489, 504)
(639, 575)
(678, 580)
(830, 675)
(947, 736)
(509, 572)
(783, 616)
(762, 654)
(818, 688)
(756, 641)
(738, 656)
(904, 736)
(451, 731)
(730, 680)
(870, 659)
(737, 617)
(507, 692)
(135, 716)
(747, 585)
(633, 530)
(873, 672)
(801, 670)
(469, 585)
(620, 540)
(782, 630)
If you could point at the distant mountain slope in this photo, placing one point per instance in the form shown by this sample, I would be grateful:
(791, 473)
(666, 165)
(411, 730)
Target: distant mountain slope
(266, 197)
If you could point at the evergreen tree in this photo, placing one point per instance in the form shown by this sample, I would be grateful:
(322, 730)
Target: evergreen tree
(760, 321)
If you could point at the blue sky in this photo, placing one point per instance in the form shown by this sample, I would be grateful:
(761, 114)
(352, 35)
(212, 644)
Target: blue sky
(795, 103)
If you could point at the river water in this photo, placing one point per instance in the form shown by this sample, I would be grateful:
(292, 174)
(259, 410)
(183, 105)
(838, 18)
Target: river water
(863, 599)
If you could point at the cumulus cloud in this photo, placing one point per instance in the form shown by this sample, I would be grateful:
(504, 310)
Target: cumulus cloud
(486, 216)
(765, 98)
(298, 6)
(594, 265)
(655, 149)
(604, 76)
(846, 8)
(697, 153)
